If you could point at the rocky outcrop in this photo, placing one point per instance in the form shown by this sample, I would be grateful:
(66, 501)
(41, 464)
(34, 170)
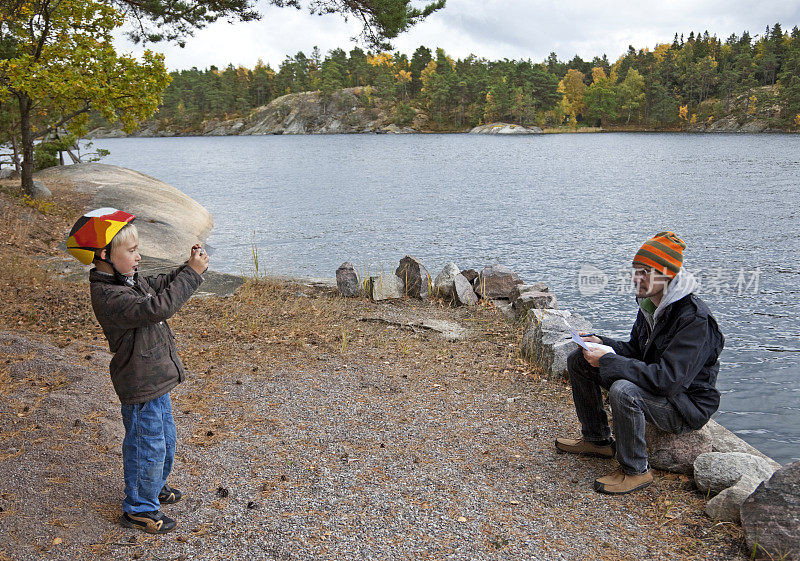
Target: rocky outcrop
(771, 516)
(504, 128)
(40, 191)
(169, 221)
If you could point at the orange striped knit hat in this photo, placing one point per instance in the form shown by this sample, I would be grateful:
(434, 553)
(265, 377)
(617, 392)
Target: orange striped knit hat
(663, 252)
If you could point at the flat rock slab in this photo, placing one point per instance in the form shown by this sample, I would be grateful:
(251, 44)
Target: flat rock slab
(448, 330)
(169, 221)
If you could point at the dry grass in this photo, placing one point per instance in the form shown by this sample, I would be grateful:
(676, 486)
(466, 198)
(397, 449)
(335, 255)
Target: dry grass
(271, 329)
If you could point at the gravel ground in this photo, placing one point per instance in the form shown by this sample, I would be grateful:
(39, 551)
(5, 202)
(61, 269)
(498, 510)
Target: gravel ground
(395, 445)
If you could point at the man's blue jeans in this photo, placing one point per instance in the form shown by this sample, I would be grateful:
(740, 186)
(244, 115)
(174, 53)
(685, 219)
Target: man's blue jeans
(631, 408)
(148, 451)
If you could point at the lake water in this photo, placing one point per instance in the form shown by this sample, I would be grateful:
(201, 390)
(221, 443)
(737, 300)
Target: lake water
(564, 209)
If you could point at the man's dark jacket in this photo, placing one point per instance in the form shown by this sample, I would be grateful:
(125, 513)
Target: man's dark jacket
(678, 359)
(145, 363)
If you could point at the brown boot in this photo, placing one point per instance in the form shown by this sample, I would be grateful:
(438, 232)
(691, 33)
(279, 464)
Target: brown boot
(619, 483)
(586, 447)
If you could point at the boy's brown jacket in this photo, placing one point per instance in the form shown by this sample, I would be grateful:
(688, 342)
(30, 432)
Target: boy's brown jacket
(145, 363)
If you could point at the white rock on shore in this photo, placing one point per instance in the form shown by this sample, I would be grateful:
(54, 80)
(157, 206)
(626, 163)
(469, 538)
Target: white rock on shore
(169, 221)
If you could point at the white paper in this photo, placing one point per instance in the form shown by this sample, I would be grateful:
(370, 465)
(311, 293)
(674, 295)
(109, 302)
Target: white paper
(589, 345)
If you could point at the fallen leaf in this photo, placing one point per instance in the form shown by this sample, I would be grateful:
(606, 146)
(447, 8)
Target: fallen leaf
(57, 541)
(462, 519)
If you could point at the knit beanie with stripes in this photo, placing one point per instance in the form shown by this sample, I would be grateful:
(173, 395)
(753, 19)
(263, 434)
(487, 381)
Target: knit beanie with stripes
(663, 252)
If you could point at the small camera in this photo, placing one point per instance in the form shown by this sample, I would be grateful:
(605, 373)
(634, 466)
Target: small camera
(201, 252)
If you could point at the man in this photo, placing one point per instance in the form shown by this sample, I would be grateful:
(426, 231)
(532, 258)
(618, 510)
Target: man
(665, 375)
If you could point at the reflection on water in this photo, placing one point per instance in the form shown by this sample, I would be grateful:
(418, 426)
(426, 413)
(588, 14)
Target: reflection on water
(542, 205)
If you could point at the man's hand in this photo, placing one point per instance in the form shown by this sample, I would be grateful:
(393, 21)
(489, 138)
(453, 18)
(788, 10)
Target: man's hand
(592, 339)
(198, 260)
(593, 356)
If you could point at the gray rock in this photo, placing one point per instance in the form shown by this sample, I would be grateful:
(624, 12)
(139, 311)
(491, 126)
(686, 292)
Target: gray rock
(771, 515)
(6, 173)
(715, 471)
(726, 506)
(385, 287)
(470, 275)
(415, 277)
(533, 300)
(496, 281)
(724, 440)
(523, 288)
(347, 280)
(463, 292)
(505, 308)
(545, 342)
(444, 280)
(40, 191)
(676, 452)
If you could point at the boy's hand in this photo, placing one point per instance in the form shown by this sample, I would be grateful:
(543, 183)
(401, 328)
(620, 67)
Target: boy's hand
(198, 260)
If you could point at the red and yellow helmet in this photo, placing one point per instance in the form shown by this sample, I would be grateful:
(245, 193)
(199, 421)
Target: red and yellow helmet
(94, 230)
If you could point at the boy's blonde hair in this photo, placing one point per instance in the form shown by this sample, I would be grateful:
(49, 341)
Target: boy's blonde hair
(125, 234)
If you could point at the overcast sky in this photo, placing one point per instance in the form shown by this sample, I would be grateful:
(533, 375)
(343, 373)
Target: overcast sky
(494, 29)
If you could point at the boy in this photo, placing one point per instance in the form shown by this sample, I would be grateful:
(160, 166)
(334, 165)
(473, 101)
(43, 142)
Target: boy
(132, 311)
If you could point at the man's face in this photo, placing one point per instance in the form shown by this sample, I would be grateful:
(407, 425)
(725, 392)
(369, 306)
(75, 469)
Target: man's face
(647, 281)
(125, 256)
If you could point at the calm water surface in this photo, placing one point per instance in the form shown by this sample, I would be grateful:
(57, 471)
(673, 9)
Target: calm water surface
(546, 206)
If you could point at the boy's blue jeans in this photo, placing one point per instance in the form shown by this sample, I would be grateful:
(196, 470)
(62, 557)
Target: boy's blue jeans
(148, 451)
(631, 408)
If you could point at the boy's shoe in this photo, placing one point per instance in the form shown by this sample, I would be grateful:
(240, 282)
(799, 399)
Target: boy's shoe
(586, 447)
(169, 496)
(620, 483)
(155, 522)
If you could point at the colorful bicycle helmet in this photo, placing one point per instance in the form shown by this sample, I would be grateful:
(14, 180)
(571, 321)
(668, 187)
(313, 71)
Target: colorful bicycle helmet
(94, 231)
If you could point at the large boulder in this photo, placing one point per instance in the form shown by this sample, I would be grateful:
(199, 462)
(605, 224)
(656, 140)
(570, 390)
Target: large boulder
(462, 290)
(169, 221)
(6, 173)
(727, 505)
(496, 281)
(415, 277)
(444, 280)
(546, 342)
(676, 452)
(347, 280)
(385, 287)
(771, 515)
(715, 471)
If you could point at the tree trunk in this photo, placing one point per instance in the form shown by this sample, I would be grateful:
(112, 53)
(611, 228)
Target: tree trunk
(15, 147)
(27, 142)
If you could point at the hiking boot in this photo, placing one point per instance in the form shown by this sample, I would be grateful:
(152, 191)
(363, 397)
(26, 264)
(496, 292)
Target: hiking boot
(154, 522)
(620, 483)
(169, 496)
(586, 447)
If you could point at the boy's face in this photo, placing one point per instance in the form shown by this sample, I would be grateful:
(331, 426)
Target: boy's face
(125, 256)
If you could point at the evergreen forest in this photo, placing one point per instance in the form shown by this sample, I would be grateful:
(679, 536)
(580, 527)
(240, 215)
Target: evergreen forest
(696, 78)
